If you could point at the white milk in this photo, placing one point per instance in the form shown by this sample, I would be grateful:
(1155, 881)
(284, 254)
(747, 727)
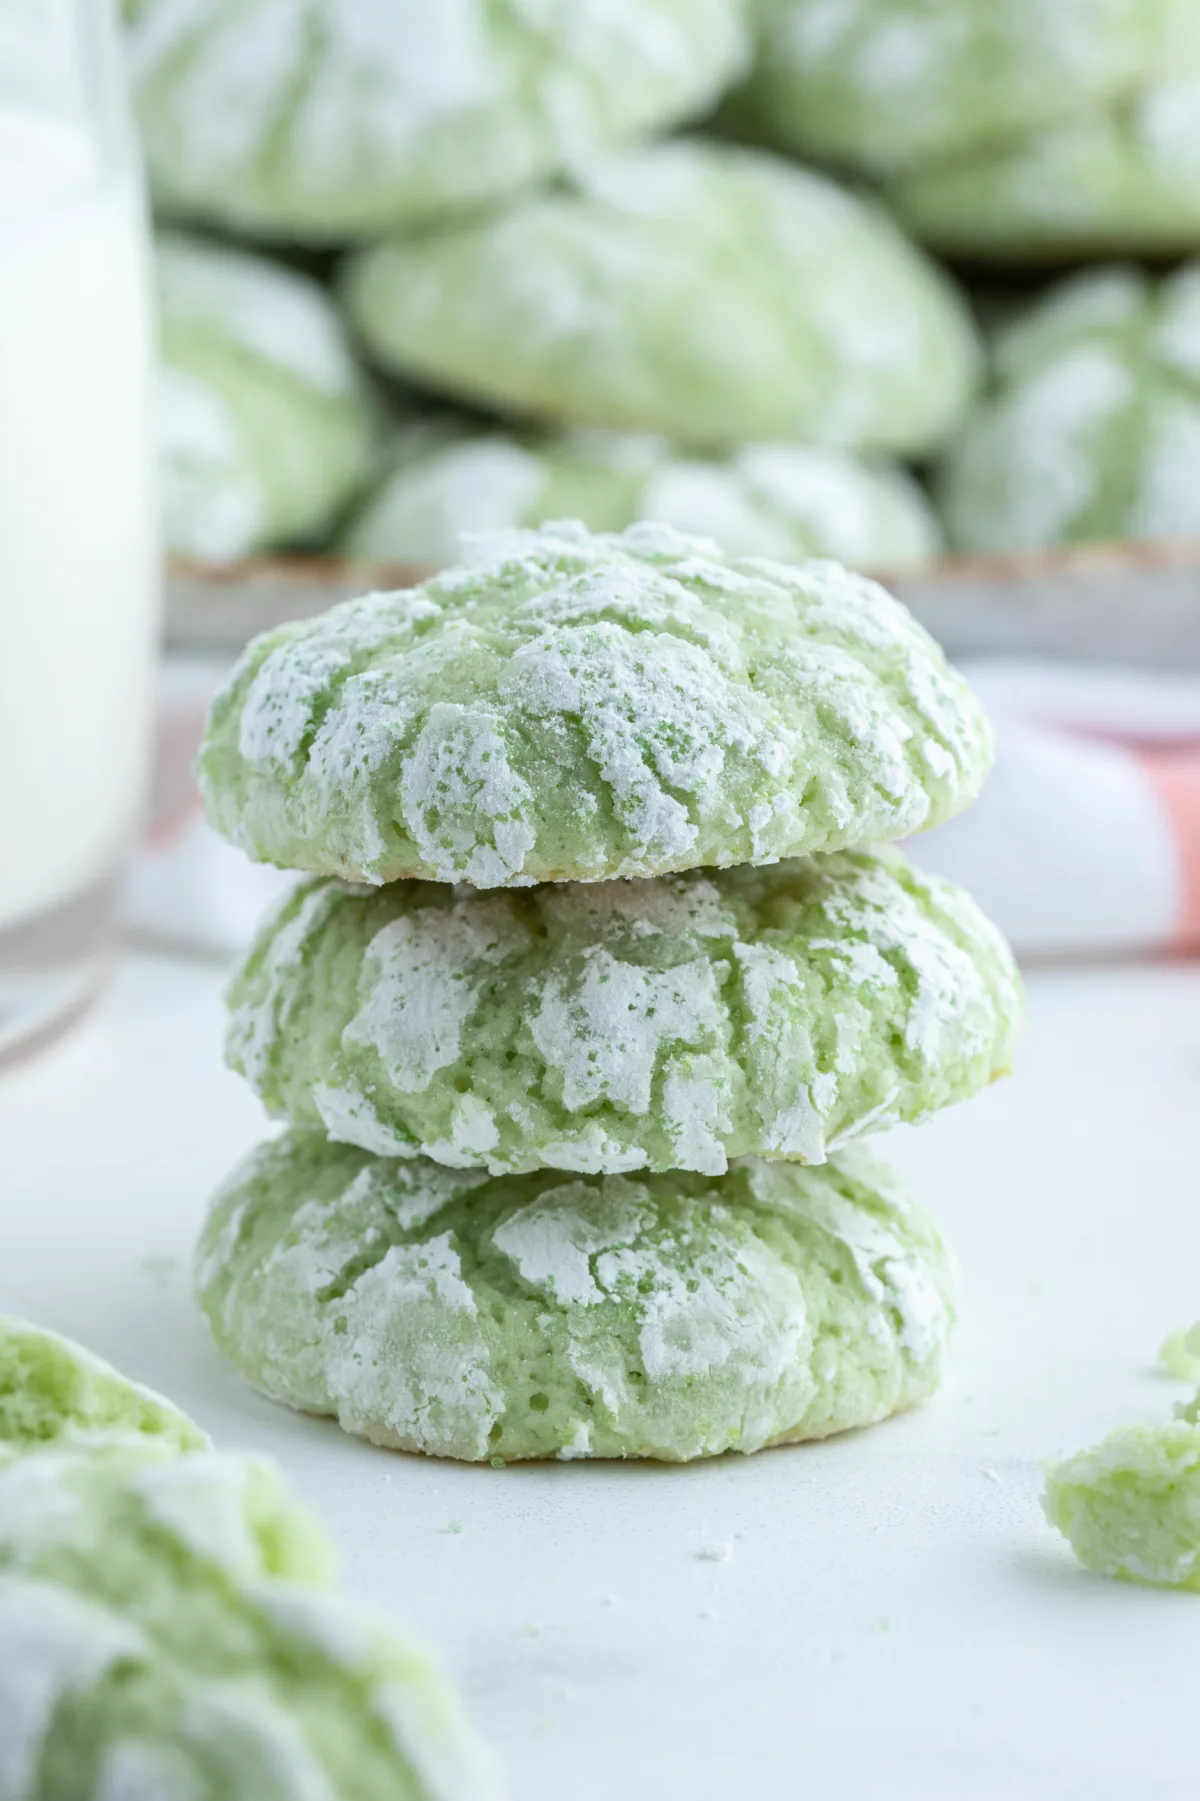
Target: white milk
(78, 561)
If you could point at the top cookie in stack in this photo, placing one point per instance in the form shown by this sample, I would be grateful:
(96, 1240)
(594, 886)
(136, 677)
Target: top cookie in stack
(575, 708)
(567, 711)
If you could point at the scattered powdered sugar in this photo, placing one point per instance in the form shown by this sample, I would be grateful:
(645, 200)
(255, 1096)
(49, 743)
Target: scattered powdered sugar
(55, 1644)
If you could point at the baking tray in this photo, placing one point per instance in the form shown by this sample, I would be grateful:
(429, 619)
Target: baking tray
(1137, 605)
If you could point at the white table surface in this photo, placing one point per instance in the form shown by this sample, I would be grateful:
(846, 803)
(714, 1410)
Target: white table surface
(895, 1619)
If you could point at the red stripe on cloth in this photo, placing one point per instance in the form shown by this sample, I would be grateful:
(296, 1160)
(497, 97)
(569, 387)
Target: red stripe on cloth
(1175, 777)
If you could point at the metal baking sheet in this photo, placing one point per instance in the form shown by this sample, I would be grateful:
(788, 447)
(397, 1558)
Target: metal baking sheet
(1136, 605)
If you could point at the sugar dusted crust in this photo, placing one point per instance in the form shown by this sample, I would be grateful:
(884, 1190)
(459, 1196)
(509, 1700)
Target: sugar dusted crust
(614, 1026)
(551, 1315)
(581, 708)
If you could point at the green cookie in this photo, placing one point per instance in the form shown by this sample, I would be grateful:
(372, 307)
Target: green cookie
(614, 1026)
(669, 1316)
(574, 708)
(161, 1640)
(53, 1392)
(891, 85)
(715, 295)
(1124, 179)
(322, 120)
(266, 426)
(787, 501)
(1131, 1507)
(1091, 427)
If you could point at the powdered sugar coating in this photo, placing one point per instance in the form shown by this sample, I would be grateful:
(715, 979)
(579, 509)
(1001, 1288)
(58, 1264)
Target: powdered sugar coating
(619, 1026)
(784, 501)
(712, 294)
(670, 1316)
(167, 1637)
(575, 708)
(892, 85)
(1092, 427)
(1123, 179)
(265, 424)
(321, 120)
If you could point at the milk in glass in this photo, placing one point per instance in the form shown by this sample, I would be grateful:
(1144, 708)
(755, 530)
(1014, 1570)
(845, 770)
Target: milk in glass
(77, 551)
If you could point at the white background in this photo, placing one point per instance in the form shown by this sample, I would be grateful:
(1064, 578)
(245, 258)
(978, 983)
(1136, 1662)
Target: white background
(894, 1618)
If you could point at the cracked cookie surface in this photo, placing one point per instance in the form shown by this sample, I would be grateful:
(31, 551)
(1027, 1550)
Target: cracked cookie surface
(666, 1316)
(624, 1025)
(573, 708)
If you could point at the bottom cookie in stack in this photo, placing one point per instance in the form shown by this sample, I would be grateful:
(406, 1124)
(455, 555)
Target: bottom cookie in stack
(670, 1315)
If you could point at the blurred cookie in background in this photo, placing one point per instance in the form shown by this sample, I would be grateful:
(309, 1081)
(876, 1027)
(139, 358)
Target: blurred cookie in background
(320, 121)
(712, 294)
(1125, 179)
(886, 87)
(267, 426)
(1091, 426)
(786, 501)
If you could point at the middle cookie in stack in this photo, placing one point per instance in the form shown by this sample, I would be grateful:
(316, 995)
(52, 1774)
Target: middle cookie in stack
(505, 1222)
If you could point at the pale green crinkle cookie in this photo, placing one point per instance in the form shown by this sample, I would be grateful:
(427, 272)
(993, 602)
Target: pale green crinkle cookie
(889, 85)
(53, 1392)
(1180, 1353)
(322, 120)
(1126, 179)
(574, 708)
(715, 295)
(669, 1316)
(1091, 426)
(1131, 1507)
(266, 425)
(614, 1026)
(161, 1639)
(770, 500)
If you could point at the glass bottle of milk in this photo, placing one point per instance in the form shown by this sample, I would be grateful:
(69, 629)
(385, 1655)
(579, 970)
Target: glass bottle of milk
(78, 558)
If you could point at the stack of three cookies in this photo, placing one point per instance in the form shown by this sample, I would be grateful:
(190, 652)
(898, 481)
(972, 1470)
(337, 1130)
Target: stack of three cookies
(585, 987)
